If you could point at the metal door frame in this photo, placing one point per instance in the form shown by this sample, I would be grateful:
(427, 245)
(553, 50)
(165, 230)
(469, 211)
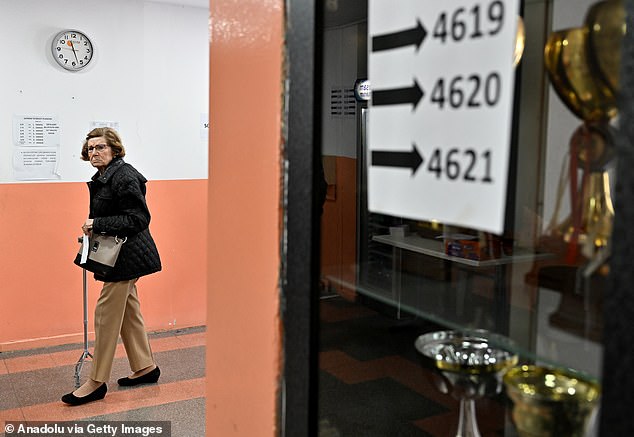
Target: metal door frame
(301, 239)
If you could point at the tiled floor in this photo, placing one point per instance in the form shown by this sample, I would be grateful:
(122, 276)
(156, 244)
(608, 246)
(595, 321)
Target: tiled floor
(374, 384)
(32, 383)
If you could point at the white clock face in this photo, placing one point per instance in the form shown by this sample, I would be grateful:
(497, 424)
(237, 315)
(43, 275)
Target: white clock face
(72, 50)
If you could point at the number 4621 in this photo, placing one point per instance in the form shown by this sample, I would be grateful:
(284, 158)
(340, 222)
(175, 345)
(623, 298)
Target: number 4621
(463, 165)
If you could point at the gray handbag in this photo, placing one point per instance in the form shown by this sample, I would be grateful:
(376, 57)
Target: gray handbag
(103, 251)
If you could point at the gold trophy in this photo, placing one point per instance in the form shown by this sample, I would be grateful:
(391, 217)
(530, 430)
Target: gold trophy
(583, 67)
(605, 22)
(469, 366)
(549, 402)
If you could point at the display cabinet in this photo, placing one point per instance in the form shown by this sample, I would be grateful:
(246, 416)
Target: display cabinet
(539, 289)
(549, 270)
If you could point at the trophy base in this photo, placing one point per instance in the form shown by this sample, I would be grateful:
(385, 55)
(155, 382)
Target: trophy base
(580, 310)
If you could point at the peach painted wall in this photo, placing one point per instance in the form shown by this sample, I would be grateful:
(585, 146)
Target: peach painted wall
(339, 229)
(243, 328)
(41, 288)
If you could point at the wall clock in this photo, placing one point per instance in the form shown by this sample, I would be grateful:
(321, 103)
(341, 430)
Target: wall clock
(72, 49)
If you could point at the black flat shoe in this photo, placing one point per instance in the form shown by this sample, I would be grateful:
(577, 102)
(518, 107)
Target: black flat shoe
(99, 393)
(149, 378)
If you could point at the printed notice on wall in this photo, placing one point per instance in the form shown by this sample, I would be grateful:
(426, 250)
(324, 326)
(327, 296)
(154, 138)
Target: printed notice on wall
(104, 123)
(36, 153)
(35, 130)
(35, 163)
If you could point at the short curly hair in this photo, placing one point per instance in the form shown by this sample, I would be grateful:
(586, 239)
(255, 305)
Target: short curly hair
(112, 139)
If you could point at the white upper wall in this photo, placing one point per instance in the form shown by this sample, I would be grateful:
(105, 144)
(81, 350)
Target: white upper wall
(193, 3)
(150, 73)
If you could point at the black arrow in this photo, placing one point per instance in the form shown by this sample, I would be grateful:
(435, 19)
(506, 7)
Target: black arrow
(411, 159)
(398, 96)
(415, 35)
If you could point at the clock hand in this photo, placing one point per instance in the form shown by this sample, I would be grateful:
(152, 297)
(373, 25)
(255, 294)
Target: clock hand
(70, 43)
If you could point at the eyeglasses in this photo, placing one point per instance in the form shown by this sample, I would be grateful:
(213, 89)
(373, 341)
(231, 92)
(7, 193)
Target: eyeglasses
(97, 147)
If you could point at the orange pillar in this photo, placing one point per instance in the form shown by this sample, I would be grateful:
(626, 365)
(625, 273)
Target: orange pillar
(243, 321)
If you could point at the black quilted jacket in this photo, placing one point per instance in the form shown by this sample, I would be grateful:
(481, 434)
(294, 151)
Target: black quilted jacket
(118, 207)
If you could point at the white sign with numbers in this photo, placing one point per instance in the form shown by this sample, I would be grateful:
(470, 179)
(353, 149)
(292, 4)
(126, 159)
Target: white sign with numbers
(439, 123)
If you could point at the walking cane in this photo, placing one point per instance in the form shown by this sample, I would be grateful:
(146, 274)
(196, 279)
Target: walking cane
(85, 354)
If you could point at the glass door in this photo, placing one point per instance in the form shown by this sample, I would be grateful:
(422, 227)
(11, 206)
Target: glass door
(424, 325)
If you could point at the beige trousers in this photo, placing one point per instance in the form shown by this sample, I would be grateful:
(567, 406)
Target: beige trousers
(118, 312)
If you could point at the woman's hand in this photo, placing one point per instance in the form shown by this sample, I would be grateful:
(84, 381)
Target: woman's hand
(87, 227)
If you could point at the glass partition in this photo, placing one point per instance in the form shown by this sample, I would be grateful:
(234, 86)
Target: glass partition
(531, 295)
